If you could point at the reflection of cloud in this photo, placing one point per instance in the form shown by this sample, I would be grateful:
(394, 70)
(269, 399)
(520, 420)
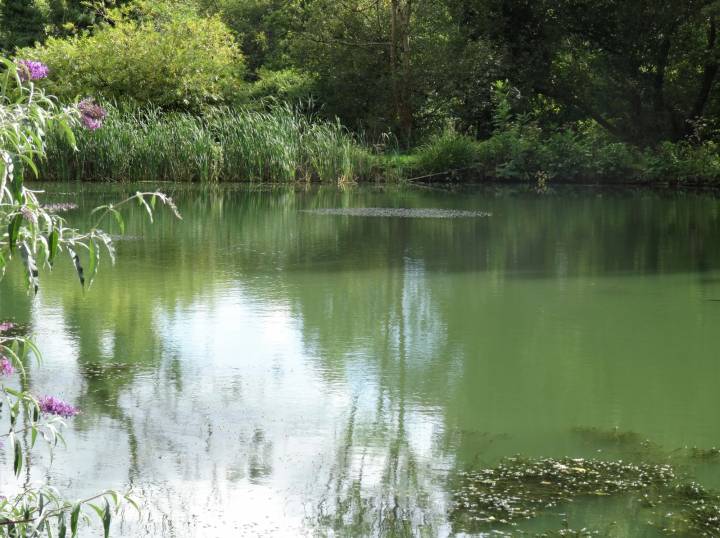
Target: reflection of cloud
(267, 359)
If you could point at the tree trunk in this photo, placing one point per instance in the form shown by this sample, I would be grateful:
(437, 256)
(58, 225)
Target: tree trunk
(710, 72)
(400, 66)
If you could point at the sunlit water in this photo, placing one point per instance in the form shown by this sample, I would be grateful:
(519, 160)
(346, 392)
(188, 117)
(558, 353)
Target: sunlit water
(259, 369)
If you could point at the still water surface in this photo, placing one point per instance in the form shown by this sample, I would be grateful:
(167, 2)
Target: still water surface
(258, 369)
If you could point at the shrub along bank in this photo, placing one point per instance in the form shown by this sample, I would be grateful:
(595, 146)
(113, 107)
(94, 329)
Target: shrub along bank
(283, 144)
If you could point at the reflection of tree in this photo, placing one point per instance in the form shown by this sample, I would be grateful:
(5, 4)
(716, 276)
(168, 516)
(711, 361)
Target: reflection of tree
(421, 316)
(377, 487)
(257, 236)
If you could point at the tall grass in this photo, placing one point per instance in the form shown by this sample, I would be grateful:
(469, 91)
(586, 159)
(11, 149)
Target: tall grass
(279, 145)
(284, 145)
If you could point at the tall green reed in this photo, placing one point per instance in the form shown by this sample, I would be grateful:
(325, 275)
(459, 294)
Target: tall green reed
(224, 144)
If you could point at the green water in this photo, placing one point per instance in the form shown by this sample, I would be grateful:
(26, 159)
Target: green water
(256, 369)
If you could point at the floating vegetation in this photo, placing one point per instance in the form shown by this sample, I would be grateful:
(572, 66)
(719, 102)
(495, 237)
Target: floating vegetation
(415, 213)
(614, 436)
(574, 533)
(690, 510)
(628, 443)
(519, 488)
(705, 454)
(60, 207)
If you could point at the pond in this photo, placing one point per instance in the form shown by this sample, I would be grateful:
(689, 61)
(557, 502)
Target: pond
(276, 365)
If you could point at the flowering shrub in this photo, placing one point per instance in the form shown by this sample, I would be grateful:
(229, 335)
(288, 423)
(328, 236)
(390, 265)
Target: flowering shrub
(91, 114)
(31, 70)
(54, 406)
(39, 236)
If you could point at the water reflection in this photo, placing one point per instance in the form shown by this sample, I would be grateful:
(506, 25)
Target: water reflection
(257, 369)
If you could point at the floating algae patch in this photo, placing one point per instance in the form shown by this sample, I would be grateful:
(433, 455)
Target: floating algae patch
(519, 489)
(705, 454)
(628, 443)
(613, 436)
(397, 212)
(633, 445)
(687, 509)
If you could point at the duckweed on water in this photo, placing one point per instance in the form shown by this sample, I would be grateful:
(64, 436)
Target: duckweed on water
(520, 489)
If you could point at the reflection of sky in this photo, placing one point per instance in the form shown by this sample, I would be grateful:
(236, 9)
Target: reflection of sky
(301, 356)
(246, 440)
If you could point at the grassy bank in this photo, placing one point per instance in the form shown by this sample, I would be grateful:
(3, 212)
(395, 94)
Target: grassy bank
(225, 144)
(284, 145)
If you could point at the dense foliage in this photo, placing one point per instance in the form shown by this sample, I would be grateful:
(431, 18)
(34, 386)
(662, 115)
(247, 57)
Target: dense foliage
(636, 76)
(171, 58)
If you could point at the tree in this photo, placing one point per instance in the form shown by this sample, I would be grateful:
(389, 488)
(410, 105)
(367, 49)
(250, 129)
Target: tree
(644, 70)
(161, 54)
(22, 23)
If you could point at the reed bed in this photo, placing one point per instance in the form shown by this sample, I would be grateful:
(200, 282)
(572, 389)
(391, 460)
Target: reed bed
(279, 145)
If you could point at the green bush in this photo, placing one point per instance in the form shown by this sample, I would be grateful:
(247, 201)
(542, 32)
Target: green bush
(286, 85)
(170, 58)
(683, 162)
(447, 152)
(580, 154)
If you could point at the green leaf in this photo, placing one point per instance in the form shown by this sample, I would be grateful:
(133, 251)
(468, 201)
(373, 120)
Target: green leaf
(143, 203)
(69, 135)
(119, 219)
(74, 517)
(53, 240)
(93, 254)
(134, 504)
(17, 464)
(14, 230)
(107, 517)
(62, 527)
(30, 266)
(78, 267)
(98, 510)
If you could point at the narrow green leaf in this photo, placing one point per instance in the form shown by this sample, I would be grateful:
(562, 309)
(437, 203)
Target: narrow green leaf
(107, 517)
(53, 240)
(13, 231)
(92, 259)
(74, 517)
(62, 527)
(97, 509)
(30, 266)
(120, 221)
(78, 267)
(17, 464)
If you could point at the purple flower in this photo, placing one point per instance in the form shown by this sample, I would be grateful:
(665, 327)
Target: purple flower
(6, 326)
(91, 114)
(6, 367)
(31, 70)
(54, 406)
